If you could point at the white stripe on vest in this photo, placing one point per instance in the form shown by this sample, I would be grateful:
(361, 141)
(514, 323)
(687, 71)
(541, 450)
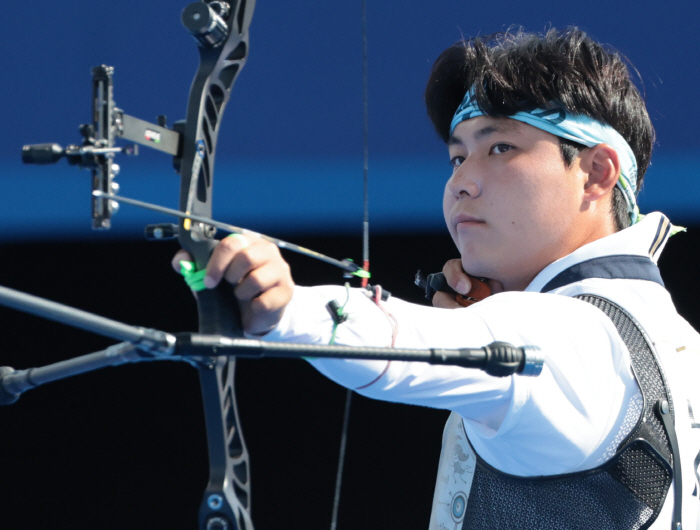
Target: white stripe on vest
(454, 479)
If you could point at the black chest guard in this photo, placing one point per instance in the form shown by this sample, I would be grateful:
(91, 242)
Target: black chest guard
(625, 493)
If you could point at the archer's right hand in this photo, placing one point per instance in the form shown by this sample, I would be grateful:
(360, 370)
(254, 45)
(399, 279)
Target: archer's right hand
(261, 279)
(461, 282)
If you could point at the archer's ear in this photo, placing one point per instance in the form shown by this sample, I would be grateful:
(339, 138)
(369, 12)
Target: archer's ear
(603, 168)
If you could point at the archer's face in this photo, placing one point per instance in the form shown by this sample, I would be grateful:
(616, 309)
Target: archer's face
(511, 202)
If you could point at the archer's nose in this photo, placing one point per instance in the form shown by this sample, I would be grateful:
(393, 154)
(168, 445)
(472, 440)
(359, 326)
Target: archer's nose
(464, 183)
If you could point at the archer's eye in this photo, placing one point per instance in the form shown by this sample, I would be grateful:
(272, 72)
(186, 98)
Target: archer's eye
(499, 149)
(456, 161)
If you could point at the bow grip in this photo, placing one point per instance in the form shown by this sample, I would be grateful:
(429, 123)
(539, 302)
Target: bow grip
(219, 312)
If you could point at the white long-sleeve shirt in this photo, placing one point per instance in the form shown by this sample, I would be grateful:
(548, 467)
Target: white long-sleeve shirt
(570, 418)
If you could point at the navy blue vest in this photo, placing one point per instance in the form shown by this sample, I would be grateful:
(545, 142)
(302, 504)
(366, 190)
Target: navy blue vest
(628, 491)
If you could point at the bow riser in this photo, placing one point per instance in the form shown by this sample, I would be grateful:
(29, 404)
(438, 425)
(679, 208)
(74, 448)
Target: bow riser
(226, 502)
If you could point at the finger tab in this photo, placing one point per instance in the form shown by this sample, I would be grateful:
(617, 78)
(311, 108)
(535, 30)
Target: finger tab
(479, 289)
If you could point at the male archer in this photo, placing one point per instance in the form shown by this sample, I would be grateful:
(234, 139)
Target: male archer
(549, 141)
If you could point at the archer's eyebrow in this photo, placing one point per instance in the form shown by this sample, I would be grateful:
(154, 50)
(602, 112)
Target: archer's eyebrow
(486, 131)
(501, 126)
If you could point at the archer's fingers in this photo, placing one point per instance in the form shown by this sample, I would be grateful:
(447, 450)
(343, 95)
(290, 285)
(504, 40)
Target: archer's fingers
(181, 255)
(225, 253)
(263, 295)
(257, 255)
(271, 276)
(445, 300)
(456, 277)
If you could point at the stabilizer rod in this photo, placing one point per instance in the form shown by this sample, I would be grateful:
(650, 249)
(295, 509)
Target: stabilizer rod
(14, 382)
(151, 340)
(498, 358)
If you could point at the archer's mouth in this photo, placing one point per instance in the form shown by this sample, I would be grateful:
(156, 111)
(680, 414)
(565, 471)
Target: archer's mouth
(464, 220)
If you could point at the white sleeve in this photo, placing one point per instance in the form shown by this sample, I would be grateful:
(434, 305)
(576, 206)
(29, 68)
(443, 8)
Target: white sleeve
(573, 405)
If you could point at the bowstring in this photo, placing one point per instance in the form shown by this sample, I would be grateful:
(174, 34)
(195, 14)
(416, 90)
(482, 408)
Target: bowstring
(365, 256)
(365, 148)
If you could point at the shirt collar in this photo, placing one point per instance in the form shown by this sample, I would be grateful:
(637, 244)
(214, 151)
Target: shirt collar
(641, 243)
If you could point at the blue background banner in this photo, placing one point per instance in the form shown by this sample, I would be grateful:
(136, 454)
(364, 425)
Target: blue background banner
(289, 159)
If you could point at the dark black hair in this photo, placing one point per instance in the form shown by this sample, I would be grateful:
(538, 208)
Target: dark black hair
(519, 71)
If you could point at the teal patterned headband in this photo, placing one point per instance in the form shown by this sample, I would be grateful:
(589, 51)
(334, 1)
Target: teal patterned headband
(574, 127)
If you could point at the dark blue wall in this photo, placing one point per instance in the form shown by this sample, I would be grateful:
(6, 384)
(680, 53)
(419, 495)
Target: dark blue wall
(290, 151)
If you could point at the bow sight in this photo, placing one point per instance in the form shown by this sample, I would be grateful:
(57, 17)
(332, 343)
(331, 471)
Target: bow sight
(98, 149)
